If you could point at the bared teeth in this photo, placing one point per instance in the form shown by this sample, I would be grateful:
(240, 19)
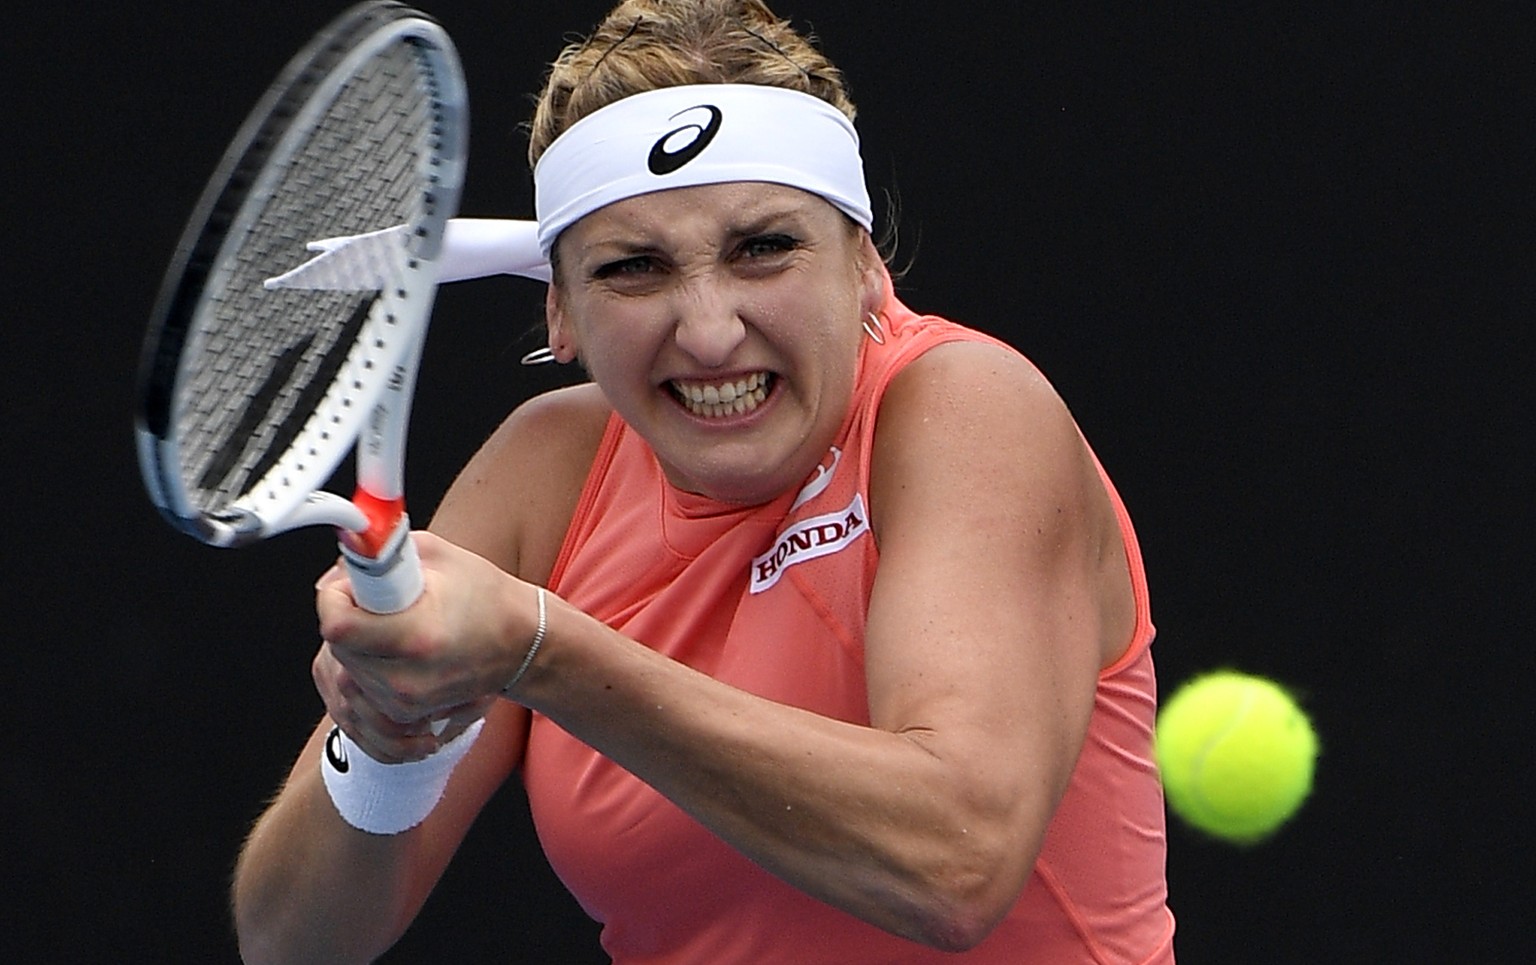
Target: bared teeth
(717, 399)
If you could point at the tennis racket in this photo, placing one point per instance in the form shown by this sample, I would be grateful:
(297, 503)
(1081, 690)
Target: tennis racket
(251, 396)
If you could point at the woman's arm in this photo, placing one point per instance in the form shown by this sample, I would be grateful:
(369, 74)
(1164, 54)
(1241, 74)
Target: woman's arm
(308, 886)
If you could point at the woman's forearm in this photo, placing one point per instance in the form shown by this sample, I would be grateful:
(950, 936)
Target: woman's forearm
(308, 887)
(877, 823)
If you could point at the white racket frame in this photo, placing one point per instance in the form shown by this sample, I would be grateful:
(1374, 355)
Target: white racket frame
(366, 410)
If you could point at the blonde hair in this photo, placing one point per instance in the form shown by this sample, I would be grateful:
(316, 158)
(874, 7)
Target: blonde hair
(644, 45)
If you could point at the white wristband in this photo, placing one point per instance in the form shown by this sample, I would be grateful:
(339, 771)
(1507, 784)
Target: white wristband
(388, 798)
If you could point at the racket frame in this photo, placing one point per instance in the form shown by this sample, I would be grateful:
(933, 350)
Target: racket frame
(365, 411)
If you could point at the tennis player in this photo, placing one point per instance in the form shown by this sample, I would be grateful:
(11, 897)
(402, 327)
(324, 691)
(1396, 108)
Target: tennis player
(811, 624)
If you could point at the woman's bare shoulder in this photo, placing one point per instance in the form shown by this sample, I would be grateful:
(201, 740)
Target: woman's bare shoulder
(976, 402)
(514, 499)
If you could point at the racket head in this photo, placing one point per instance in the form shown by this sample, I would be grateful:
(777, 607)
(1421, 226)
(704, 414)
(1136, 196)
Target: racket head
(250, 399)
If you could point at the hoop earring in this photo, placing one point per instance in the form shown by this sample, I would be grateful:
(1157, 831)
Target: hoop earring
(875, 332)
(539, 356)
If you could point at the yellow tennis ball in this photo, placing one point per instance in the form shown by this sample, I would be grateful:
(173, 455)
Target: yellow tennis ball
(1236, 754)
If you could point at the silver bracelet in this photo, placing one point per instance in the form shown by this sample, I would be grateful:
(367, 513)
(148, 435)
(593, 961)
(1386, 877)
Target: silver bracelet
(533, 648)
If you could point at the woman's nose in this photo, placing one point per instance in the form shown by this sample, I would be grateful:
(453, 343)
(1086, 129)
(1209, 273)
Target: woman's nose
(708, 326)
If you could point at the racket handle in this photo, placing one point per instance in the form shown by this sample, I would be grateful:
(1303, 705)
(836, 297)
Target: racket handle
(391, 581)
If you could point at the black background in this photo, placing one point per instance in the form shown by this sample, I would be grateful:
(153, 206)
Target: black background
(1279, 262)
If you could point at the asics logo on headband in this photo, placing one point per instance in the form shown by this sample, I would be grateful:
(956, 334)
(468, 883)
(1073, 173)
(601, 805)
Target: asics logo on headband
(664, 161)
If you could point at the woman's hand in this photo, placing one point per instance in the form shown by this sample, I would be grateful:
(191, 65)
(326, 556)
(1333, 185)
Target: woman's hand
(401, 685)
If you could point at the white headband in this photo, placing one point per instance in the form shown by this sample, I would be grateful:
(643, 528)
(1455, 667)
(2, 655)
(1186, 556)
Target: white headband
(675, 137)
(678, 137)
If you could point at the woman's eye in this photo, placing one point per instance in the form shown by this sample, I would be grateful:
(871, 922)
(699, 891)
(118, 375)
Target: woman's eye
(637, 265)
(766, 245)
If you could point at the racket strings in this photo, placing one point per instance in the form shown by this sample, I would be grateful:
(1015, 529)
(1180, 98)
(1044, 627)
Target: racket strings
(266, 364)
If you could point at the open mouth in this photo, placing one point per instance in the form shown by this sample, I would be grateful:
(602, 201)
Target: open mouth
(718, 400)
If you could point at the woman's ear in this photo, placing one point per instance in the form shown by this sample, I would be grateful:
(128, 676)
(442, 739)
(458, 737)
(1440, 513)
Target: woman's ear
(562, 337)
(872, 274)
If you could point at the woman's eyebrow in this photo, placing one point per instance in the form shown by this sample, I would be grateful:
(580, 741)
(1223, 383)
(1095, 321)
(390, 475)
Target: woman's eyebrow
(771, 221)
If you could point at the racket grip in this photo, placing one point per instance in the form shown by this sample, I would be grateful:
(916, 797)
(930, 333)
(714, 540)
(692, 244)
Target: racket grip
(391, 581)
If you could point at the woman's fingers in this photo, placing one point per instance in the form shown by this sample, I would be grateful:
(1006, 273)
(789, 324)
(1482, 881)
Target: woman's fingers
(382, 735)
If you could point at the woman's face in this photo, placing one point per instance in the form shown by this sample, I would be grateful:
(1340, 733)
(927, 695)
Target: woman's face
(723, 323)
